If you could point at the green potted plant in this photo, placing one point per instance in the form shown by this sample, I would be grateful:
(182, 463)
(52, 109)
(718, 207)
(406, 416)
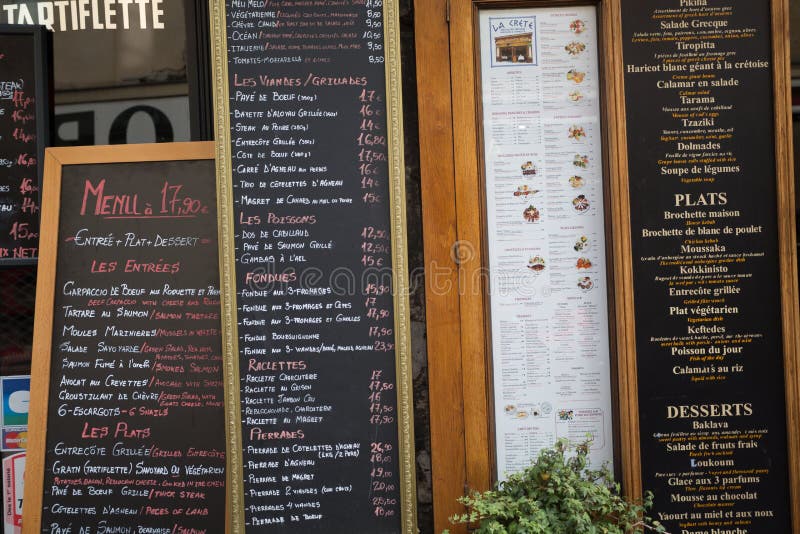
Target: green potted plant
(558, 494)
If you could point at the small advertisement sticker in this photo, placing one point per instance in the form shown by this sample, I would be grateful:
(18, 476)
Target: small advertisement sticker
(13, 480)
(16, 394)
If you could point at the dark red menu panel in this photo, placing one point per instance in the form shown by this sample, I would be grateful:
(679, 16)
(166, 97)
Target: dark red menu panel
(701, 149)
(313, 266)
(135, 429)
(24, 127)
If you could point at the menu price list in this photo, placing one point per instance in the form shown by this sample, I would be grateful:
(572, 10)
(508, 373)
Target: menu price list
(313, 266)
(546, 231)
(135, 435)
(704, 225)
(19, 166)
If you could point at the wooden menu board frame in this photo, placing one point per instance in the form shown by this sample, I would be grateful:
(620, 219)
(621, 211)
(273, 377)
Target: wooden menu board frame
(492, 359)
(787, 256)
(43, 93)
(399, 255)
(55, 160)
(449, 125)
(452, 169)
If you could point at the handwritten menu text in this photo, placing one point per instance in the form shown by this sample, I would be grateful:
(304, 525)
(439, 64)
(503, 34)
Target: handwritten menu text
(135, 439)
(313, 266)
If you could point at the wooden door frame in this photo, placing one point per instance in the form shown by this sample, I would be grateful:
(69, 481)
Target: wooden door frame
(443, 312)
(458, 366)
(459, 370)
(787, 243)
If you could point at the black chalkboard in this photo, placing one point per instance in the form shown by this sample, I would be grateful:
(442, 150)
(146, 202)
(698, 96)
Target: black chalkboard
(25, 118)
(128, 418)
(313, 265)
(706, 267)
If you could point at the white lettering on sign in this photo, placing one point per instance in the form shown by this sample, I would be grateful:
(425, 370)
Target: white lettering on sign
(61, 15)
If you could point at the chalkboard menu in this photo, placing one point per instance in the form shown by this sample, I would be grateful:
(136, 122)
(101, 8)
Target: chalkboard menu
(311, 156)
(701, 149)
(25, 83)
(128, 420)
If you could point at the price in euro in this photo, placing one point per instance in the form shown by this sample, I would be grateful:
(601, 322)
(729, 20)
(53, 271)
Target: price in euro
(382, 346)
(22, 231)
(368, 125)
(370, 247)
(369, 183)
(380, 458)
(371, 198)
(378, 314)
(173, 202)
(368, 260)
(370, 232)
(377, 385)
(366, 169)
(379, 485)
(380, 511)
(369, 139)
(380, 446)
(371, 155)
(381, 419)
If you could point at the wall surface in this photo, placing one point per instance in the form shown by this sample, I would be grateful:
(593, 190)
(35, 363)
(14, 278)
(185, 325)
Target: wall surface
(416, 268)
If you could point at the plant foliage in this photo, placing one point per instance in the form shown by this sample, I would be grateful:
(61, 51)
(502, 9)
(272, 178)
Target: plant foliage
(558, 494)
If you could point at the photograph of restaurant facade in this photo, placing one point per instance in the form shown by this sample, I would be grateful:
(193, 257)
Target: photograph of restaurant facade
(588, 229)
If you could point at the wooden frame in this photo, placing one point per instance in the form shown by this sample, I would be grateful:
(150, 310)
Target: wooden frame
(787, 245)
(399, 253)
(450, 161)
(787, 242)
(55, 160)
(440, 229)
(605, 128)
(627, 384)
(43, 91)
(449, 202)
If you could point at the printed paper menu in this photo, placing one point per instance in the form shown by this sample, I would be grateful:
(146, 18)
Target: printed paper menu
(546, 231)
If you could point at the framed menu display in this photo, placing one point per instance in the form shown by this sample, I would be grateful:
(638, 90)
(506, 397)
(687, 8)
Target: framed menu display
(693, 301)
(713, 258)
(25, 117)
(546, 231)
(127, 418)
(314, 276)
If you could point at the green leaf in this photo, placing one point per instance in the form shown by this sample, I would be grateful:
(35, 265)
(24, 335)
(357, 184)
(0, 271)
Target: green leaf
(558, 494)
